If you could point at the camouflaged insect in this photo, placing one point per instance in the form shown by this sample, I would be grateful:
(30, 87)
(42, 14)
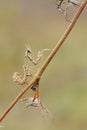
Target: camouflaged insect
(63, 6)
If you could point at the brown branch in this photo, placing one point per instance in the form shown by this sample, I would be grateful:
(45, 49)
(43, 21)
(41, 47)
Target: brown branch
(43, 67)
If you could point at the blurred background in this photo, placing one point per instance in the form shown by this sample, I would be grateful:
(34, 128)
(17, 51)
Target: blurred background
(63, 86)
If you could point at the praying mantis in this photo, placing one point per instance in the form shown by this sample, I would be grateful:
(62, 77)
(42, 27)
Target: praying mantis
(17, 77)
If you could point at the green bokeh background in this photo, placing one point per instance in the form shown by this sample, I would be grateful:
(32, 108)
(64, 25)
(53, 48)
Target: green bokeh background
(63, 86)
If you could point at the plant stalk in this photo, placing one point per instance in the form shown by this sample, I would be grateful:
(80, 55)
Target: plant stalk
(50, 57)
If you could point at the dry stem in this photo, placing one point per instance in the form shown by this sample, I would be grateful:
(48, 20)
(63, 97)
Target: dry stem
(43, 67)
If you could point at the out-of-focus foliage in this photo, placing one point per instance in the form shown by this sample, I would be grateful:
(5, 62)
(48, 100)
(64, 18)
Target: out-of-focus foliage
(63, 86)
